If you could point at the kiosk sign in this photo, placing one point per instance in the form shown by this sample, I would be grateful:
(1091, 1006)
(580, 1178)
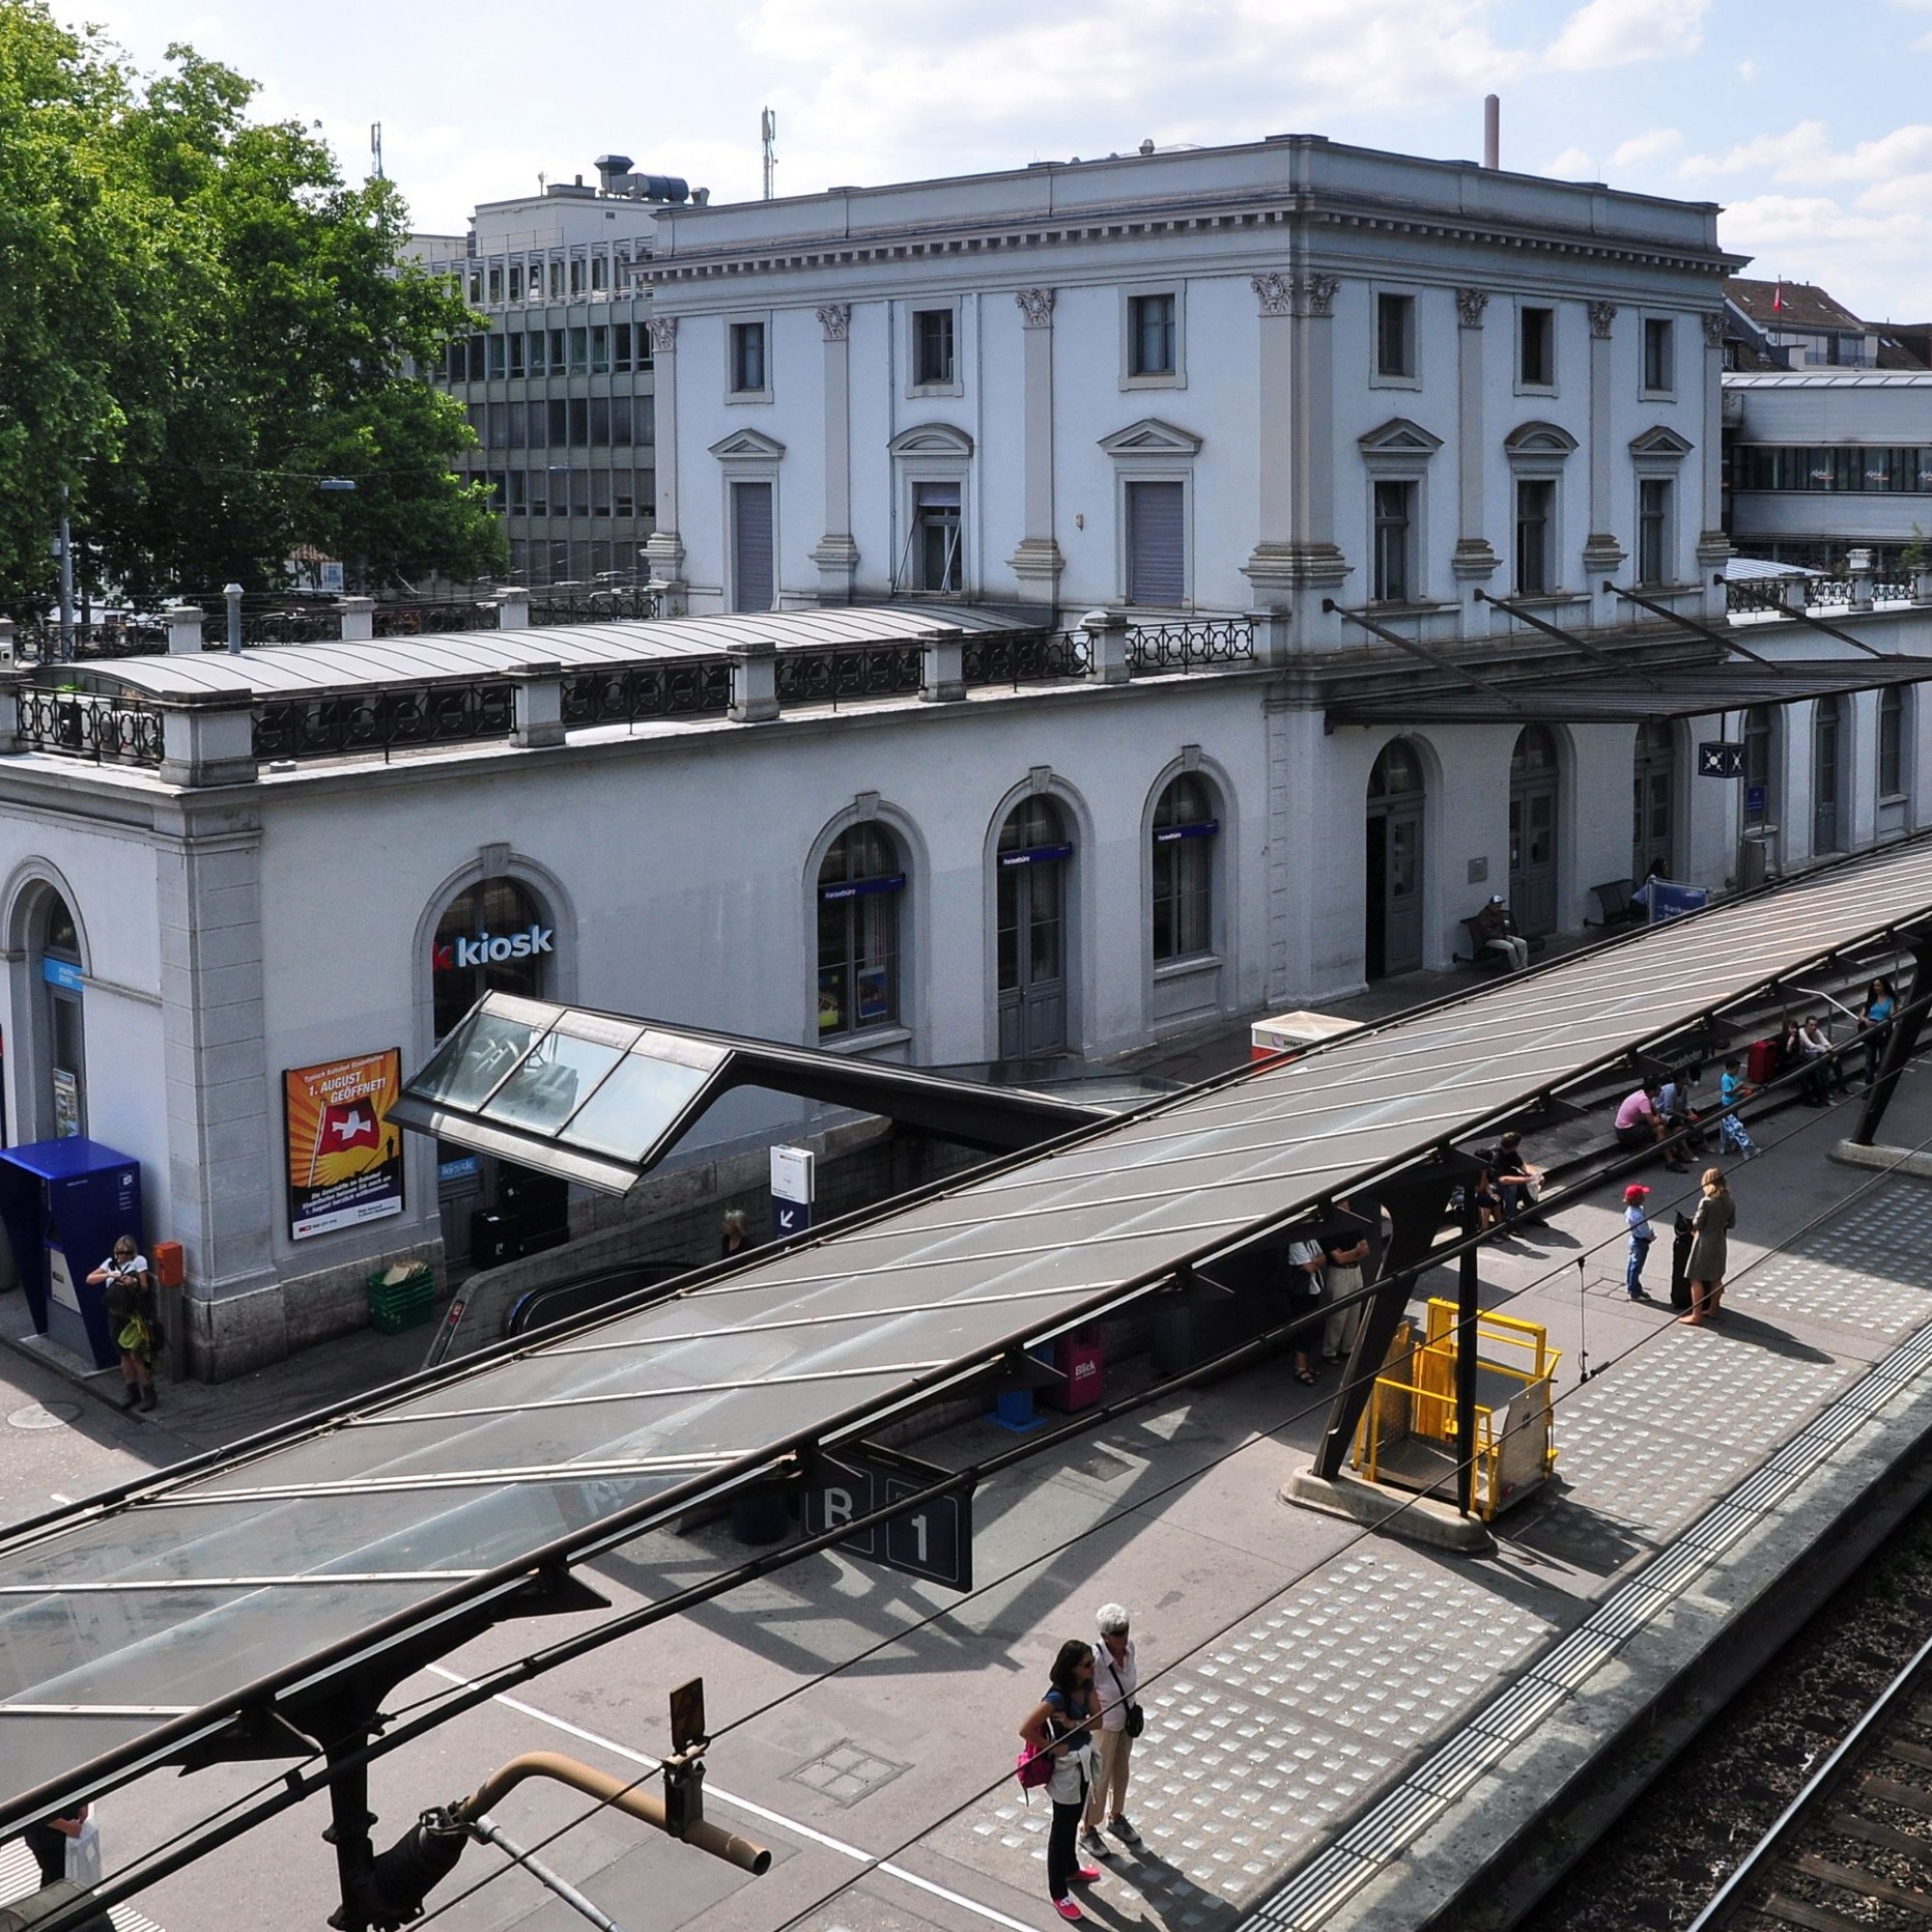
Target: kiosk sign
(345, 1159)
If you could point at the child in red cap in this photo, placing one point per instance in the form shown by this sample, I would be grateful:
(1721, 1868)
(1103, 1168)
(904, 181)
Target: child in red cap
(1641, 1235)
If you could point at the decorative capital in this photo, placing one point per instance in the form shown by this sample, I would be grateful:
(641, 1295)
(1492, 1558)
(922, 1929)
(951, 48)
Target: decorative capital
(1320, 293)
(1035, 307)
(1275, 292)
(1470, 306)
(663, 335)
(1602, 315)
(1714, 328)
(836, 319)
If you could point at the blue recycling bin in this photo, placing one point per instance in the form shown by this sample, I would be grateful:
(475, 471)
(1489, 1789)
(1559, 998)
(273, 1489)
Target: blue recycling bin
(62, 1202)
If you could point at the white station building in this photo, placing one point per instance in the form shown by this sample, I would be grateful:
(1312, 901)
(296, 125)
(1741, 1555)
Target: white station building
(1103, 599)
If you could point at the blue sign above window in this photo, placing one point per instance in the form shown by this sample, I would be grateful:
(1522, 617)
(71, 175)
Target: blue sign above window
(1168, 833)
(62, 973)
(858, 889)
(1037, 855)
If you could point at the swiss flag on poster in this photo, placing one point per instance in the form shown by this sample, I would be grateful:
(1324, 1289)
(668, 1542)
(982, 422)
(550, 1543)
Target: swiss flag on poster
(350, 1124)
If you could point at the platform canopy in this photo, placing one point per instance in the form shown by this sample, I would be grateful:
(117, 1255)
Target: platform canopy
(251, 1600)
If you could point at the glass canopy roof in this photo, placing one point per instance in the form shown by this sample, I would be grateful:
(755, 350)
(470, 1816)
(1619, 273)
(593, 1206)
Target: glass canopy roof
(134, 1626)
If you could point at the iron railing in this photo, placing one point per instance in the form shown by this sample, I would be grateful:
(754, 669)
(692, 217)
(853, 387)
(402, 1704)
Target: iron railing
(1191, 645)
(118, 638)
(846, 671)
(630, 694)
(80, 724)
(296, 626)
(1026, 656)
(410, 620)
(592, 607)
(383, 720)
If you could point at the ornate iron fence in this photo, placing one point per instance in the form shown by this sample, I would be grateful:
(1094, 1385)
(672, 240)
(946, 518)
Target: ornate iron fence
(1828, 593)
(117, 640)
(1193, 645)
(296, 626)
(410, 620)
(1026, 656)
(383, 720)
(82, 725)
(844, 672)
(628, 693)
(592, 607)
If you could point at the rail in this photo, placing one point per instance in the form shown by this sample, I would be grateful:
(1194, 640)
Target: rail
(383, 720)
(411, 621)
(552, 606)
(633, 694)
(1027, 657)
(77, 724)
(42, 642)
(1193, 645)
(840, 672)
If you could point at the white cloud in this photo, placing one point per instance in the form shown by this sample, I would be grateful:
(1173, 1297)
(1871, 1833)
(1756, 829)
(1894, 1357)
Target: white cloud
(1804, 155)
(1877, 264)
(1613, 33)
(1644, 150)
(1573, 164)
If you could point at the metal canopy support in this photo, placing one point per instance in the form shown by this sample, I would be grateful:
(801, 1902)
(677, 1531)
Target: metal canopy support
(1469, 1292)
(1900, 1044)
(1570, 638)
(1430, 657)
(1696, 624)
(1800, 616)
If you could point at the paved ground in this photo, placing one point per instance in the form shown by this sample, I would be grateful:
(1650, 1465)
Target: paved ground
(1312, 1688)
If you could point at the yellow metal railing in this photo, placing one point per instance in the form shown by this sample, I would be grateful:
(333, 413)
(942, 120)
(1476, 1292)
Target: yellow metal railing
(1415, 1397)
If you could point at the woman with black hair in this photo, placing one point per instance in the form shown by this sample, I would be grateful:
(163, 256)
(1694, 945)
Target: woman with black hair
(1059, 1725)
(1875, 1022)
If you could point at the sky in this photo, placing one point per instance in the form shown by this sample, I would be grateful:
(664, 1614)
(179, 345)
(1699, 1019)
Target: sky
(1808, 133)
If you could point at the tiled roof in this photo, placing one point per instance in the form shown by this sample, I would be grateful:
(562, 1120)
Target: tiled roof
(1804, 305)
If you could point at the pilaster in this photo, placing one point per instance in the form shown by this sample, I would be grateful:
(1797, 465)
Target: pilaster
(1602, 554)
(836, 554)
(1473, 561)
(1038, 562)
(1713, 547)
(664, 551)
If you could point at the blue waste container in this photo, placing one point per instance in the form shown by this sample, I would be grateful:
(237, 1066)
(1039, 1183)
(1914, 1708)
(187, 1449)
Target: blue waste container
(62, 1202)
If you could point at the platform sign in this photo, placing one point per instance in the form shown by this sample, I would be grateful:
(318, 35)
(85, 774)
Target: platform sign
(932, 1540)
(793, 1184)
(1717, 760)
(1668, 900)
(1757, 798)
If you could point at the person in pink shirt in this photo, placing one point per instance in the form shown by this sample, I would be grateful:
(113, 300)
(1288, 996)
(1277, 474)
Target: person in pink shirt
(1641, 1122)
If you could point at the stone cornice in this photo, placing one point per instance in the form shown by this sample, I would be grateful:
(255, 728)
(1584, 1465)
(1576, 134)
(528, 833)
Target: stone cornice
(1131, 223)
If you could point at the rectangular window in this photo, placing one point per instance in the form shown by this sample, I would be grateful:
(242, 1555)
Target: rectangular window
(459, 361)
(513, 483)
(1535, 505)
(932, 345)
(1891, 743)
(497, 357)
(748, 361)
(1395, 335)
(1395, 533)
(556, 340)
(559, 423)
(600, 493)
(538, 414)
(1150, 336)
(516, 342)
(577, 274)
(1536, 348)
(620, 422)
(752, 545)
(519, 421)
(1659, 367)
(1653, 531)
(600, 271)
(579, 422)
(935, 537)
(645, 411)
(620, 347)
(580, 493)
(580, 351)
(495, 282)
(600, 352)
(539, 492)
(516, 281)
(476, 357)
(1156, 544)
(600, 422)
(624, 493)
(556, 280)
(499, 423)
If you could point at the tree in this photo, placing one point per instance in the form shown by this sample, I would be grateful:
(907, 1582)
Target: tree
(214, 323)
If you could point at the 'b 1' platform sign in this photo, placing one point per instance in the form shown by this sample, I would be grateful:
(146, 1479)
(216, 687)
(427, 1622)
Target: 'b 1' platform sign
(933, 1538)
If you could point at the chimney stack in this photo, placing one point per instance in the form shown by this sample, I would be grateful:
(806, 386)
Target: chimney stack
(1493, 131)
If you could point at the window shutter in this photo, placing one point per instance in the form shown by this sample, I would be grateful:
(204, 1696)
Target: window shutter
(1156, 560)
(752, 545)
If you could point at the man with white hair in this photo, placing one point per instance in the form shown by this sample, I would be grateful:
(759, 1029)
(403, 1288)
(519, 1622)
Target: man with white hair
(1115, 1678)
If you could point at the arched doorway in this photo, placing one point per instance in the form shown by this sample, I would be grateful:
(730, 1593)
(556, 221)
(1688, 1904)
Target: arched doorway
(61, 1100)
(493, 937)
(1532, 832)
(1653, 791)
(1828, 775)
(1392, 941)
(1031, 862)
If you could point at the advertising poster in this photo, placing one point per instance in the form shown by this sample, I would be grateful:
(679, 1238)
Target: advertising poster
(344, 1157)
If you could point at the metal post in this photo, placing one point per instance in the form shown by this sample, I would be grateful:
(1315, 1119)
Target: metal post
(1468, 1289)
(348, 1830)
(66, 583)
(491, 1832)
(233, 593)
(1900, 1044)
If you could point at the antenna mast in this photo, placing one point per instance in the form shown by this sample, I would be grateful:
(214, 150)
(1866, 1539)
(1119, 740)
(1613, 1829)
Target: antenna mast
(768, 133)
(376, 145)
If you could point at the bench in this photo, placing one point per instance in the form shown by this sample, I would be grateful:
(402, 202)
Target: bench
(1614, 900)
(1479, 955)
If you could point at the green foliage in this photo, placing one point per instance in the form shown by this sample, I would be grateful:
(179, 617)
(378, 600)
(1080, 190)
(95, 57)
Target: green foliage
(203, 321)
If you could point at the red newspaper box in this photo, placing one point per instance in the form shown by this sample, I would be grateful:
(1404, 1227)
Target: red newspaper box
(1078, 1359)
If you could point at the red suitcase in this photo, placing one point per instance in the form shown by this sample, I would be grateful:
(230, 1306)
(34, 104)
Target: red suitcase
(1762, 1067)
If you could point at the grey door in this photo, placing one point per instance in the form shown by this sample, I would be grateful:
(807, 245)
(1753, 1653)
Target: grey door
(1653, 787)
(751, 547)
(1826, 775)
(1392, 891)
(1031, 887)
(1156, 550)
(1532, 832)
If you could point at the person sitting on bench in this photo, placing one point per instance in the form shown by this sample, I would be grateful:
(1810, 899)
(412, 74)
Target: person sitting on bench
(1640, 1123)
(1494, 930)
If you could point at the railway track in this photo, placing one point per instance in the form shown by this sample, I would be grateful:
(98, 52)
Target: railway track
(1853, 1849)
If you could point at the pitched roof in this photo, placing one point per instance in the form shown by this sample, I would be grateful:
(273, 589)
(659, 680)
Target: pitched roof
(1804, 305)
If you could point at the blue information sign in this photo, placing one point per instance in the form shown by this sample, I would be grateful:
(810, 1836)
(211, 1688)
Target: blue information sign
(1669, 900)
(1756, 798)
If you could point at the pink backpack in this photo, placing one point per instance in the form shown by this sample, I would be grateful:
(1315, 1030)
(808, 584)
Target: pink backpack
(1034, 1768)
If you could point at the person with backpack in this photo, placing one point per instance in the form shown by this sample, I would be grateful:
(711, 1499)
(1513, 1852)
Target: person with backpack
(131, 1318)
(1115, 1678)
(1060, 1727)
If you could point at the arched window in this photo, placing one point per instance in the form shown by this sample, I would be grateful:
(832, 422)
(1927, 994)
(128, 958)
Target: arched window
(1532, 832)
(1760, 805)
(1184, 871)
(65, 1095)
(1535, 752)
(1397, 770)
(1032, 864)
(1894, 782)
(859, 888)
(492, 938)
